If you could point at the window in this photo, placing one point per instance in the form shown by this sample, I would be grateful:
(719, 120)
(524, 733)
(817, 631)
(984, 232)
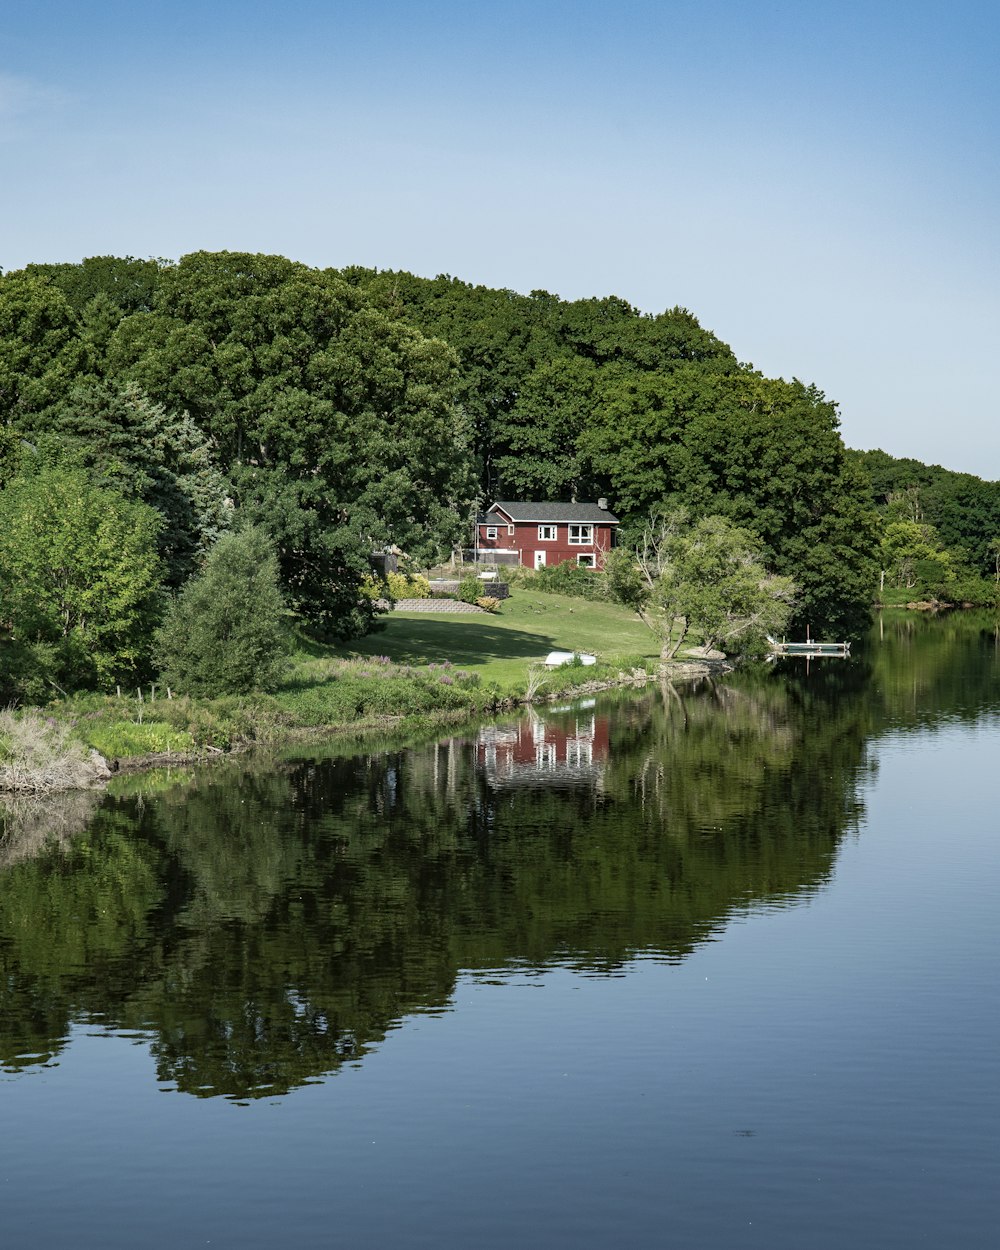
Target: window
(580, 534)
(585, 562)
(546, 533)
(510, 531)
(491, 532)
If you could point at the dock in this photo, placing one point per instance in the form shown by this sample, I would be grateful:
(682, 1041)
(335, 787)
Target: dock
(809, 647)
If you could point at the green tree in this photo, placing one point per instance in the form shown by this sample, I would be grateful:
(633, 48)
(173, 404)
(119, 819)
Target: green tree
(313, 397)
(708, 577)
(962, 508)
(764, 453)
(143, 451)
(224, 634)
(910, 552)
(502, 338)
(79, 580)
(554, 407)
(41, 353)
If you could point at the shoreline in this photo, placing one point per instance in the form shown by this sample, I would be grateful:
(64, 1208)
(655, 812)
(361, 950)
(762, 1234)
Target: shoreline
(280, 736)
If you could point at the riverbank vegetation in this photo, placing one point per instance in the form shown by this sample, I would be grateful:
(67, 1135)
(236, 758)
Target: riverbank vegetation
(421, 670)
(199, 461)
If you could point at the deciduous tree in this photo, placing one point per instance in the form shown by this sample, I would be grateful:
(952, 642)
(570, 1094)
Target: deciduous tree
(707, 576)
(79, 580)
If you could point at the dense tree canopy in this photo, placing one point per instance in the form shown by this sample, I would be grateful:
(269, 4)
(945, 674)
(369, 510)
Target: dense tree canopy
(591, 397)
(523, 359)
(333, 421)
(348, 411)
(963, 509)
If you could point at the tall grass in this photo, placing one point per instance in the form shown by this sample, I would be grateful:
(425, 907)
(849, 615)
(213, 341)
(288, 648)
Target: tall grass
(39, 754)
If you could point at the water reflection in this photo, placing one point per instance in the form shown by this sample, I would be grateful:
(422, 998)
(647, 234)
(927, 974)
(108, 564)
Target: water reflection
(265, 926)
(557, 746)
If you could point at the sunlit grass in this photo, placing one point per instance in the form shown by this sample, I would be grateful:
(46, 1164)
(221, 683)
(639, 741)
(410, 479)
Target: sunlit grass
(501, 647)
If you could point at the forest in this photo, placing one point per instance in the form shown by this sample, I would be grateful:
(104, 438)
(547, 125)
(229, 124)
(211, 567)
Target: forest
(306, 418)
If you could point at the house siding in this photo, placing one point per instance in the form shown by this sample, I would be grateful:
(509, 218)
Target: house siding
(525, 542)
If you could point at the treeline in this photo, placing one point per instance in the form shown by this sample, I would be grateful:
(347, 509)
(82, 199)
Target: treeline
(939, 531)
(148, 408)
(181, 401)
(579, 399)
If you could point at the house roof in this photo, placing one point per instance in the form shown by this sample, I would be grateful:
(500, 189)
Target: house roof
(577, 513)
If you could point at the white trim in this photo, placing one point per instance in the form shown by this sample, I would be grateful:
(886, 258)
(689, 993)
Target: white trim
(580, 540)
(586, 560)
(491, 533)
(551, 537)
(539, 559)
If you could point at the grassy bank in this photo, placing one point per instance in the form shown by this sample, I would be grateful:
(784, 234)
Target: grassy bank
(420, 670)
(501, 648)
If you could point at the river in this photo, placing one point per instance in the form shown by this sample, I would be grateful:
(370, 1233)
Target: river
(702, 966)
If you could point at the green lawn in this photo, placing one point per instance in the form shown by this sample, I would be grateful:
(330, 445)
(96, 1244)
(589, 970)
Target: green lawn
(501, 646)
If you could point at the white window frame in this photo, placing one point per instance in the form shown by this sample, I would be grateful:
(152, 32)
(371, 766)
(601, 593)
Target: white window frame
(510, 531)
(586, 561)
(491, 533)
(584, 536)
(548, 533)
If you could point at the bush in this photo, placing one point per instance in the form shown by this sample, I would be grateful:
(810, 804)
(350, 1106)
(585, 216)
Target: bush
(224, 634)
(373, 588)
(980, 591)
(407, 586)
(570, 579)
(488, 603)
(469, 589)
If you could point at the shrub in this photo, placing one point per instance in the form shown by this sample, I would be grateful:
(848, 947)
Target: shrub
(488, 602)
(373, 588)
(407, 586)
(224, 633)
(981, 591)
(469, 589)
(570, 579)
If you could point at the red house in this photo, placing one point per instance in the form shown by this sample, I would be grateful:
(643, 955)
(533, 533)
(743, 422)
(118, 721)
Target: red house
(547, 533)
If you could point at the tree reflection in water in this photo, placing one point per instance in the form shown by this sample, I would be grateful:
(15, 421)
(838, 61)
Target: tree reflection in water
(264, 926)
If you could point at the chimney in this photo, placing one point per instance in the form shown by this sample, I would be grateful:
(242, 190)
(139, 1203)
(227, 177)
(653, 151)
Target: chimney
(602, 504)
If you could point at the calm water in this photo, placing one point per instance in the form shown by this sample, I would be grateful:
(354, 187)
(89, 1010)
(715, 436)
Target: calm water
(702, 967)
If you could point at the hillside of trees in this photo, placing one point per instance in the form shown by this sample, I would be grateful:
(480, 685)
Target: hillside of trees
(147, 408)
(939, 530)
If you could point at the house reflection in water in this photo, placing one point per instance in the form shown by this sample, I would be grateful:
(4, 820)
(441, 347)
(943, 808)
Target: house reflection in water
(566, 745)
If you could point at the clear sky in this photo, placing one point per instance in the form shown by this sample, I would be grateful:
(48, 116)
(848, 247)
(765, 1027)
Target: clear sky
(817, 181)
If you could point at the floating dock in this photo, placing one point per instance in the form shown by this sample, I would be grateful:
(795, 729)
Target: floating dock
(809, 647)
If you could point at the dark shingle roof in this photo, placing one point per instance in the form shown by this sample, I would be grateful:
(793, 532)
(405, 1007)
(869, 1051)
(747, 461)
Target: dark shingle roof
(578, 513)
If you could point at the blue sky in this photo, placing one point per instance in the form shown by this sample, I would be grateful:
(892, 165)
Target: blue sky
(818, 182)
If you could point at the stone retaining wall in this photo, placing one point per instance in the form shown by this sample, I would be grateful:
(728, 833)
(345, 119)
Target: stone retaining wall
(449, 606)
